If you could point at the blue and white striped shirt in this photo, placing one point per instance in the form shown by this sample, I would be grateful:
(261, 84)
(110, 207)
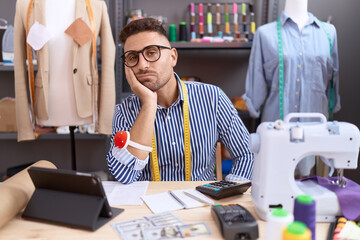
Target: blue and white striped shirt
(212, 118)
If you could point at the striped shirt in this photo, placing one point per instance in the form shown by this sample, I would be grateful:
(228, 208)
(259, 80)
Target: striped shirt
(212, 118)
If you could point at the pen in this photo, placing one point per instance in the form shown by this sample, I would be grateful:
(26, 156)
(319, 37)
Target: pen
(178, 199)
(210, 202)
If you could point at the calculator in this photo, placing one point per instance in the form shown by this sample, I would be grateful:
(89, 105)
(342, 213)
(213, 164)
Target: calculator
(235, 222)
(222, 189)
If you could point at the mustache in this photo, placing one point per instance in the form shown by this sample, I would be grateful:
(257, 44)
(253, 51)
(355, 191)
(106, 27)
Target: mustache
(140, 72)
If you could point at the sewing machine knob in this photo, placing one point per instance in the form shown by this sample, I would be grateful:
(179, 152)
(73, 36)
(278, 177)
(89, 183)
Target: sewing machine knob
(279, 124)
(254, 142)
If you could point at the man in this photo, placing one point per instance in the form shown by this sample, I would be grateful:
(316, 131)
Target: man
(185, 143)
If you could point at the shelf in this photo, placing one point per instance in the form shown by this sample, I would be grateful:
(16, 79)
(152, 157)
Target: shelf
(55, 136)
(4, 68)
(10, 68)
(223, 45)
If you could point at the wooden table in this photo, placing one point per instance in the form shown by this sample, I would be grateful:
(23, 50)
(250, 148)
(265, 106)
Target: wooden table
(19, 228)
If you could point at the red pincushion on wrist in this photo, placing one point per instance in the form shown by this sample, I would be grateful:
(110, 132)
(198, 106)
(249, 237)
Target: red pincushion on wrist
(120, 139)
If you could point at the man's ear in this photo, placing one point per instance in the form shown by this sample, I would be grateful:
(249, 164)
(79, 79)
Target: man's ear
(174, 57)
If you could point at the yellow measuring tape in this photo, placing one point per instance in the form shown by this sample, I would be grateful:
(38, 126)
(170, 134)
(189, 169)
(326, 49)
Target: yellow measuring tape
(29, 56)
(155, 172)
(93, 29)
(29, 49)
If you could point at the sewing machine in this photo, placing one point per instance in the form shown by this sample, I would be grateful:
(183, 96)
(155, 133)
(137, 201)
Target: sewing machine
(279, 146)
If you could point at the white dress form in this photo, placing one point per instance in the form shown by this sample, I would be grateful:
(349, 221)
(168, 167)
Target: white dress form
(61, 101)
(297, 10)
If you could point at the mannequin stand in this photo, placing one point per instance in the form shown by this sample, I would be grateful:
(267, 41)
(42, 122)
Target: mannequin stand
(73, 152)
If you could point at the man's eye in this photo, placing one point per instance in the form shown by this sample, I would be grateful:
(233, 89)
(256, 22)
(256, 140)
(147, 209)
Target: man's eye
(131, 57)
(150, 53)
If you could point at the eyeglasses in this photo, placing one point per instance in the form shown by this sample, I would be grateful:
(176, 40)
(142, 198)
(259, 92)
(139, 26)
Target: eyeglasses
(151, 53)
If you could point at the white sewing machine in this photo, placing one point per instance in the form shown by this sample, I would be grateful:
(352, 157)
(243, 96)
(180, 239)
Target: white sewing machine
(279, 146)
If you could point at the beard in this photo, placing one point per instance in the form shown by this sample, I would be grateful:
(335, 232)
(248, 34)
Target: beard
(154, 82)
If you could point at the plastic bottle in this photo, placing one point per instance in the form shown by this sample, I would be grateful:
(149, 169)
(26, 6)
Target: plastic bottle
(277, 220)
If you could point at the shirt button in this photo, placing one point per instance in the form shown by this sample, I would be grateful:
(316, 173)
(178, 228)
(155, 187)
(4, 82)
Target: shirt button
(296, 106)
(75, 70)
(173, 143)
(176, 164)
(300, 53)
(168, 117)
(299, 66)
(298, 79)
(297, 93)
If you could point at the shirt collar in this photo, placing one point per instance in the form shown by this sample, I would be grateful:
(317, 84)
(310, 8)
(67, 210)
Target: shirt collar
(312, 19)
(181, 96)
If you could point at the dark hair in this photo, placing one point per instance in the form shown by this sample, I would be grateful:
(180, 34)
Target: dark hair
(141, 25)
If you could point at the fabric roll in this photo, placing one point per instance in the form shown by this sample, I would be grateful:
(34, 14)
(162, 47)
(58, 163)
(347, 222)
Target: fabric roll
(16, 191)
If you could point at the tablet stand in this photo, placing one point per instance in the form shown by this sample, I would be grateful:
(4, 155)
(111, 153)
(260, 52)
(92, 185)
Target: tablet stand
(72, 144)
(71, 209)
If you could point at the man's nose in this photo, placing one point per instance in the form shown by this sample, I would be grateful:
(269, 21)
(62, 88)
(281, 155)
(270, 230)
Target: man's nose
(143, 63)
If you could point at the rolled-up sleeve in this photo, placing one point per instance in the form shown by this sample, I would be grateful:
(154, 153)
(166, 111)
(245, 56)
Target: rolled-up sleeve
(255, 84)
(124, 166)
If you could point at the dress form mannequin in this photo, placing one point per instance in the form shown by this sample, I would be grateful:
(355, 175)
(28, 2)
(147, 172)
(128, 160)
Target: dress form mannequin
(298, 11)
(62, 105)
(310, 80)
(67, 89)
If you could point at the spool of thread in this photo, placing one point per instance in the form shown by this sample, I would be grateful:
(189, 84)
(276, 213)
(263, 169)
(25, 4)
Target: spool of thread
(277, 220)
(296, 231)
(305, 211)
(172, 33)
(183, 36)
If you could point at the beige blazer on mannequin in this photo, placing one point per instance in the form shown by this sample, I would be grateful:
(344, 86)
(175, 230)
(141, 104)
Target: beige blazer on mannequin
(84, 74)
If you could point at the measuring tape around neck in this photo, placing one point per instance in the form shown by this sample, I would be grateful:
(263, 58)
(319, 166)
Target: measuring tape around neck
(155, 172)
(281, 71)
(29, 49)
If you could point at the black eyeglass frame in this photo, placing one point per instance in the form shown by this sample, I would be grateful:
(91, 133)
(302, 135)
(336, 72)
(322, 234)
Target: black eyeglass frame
(142, 52)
